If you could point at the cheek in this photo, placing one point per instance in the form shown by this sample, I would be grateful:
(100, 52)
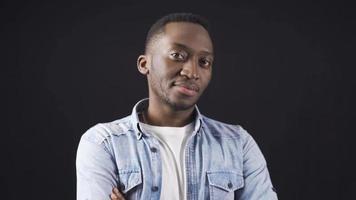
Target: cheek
(205, 78)
(164, 66)
(170, 70)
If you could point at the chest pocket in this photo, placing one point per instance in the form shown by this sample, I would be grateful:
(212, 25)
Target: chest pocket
(130, 183)
(222, 184)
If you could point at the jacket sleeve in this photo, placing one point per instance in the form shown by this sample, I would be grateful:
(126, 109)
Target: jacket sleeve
(257, 181)
(96, 169)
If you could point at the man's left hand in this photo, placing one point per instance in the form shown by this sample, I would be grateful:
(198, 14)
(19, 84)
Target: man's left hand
(116, 195)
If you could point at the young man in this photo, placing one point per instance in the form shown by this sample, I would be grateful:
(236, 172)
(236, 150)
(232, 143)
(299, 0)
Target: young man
(166, 149)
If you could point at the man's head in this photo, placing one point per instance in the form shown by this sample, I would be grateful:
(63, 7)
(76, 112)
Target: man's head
(178, 60)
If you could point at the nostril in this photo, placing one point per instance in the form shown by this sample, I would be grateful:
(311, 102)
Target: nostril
(189, 74)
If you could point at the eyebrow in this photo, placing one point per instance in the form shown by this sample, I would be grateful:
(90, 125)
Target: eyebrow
(190, 49)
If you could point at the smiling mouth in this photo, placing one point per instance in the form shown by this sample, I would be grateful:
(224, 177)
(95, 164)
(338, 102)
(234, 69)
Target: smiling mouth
(187, 89)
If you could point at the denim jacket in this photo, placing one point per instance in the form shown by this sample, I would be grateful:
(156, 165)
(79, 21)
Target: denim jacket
(222, 162)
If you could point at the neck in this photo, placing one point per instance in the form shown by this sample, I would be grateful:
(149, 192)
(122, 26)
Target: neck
(159, 114)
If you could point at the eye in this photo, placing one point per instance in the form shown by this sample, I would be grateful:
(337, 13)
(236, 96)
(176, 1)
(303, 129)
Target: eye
(177, 56)
(205, 62)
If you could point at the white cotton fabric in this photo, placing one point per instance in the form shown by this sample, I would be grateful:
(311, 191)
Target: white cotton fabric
(172, 142)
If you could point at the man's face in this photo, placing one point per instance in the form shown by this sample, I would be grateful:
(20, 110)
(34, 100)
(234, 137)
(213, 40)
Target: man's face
(180, 65)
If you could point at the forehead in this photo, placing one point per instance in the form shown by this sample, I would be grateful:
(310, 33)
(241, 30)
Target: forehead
(188, 34)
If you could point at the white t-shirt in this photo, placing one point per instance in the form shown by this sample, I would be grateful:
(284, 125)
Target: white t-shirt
(172, 142)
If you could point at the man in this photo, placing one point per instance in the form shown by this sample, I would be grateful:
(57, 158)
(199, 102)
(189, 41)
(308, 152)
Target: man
(166, 149)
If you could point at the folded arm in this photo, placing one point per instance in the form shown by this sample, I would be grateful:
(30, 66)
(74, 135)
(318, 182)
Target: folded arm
(96, 171)
(257, 181)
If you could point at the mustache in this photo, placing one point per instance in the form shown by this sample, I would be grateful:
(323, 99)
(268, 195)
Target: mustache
(187, 84)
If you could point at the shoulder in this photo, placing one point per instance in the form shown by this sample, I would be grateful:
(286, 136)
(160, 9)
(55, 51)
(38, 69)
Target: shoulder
(103, 131)
(222, 129)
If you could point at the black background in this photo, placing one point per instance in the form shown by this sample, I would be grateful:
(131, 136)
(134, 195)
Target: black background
(283, 70)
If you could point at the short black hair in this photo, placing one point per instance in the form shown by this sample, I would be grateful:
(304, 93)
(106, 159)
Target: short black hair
(158, 26)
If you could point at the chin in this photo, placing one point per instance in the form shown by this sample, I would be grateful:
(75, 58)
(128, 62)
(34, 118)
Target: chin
(182, 104)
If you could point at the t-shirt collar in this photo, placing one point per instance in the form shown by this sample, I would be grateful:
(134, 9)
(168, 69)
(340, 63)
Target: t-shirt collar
(143, 104)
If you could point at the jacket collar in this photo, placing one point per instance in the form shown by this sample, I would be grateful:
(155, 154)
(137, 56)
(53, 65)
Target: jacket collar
(143, 104)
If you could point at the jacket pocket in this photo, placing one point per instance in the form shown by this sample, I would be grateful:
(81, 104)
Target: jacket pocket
(222, 184)
(130, 183)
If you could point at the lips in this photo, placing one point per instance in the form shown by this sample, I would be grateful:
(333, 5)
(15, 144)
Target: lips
(187, 89)
(189, 86)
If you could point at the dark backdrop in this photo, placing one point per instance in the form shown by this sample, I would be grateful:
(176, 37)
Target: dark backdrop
(284, 71)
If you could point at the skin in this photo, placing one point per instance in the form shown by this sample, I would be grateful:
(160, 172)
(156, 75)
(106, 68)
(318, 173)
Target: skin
(178, 66)
(116, 195)
(183, 56)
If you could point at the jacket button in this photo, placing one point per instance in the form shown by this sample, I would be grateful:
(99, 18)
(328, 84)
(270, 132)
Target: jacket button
(154, 188)
(229, 185)
(154, 149)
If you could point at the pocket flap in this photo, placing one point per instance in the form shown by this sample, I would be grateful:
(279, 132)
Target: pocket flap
(129, 179)
(225, 180)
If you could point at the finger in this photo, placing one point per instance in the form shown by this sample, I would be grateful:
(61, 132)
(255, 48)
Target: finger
(114, 197)
(118, 194)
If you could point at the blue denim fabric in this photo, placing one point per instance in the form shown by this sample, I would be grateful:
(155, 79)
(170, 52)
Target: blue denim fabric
(222, 162)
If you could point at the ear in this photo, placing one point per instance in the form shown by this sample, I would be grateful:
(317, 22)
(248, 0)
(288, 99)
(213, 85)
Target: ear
(142, 64)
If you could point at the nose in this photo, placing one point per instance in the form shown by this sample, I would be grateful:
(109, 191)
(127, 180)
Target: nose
(190, 69)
